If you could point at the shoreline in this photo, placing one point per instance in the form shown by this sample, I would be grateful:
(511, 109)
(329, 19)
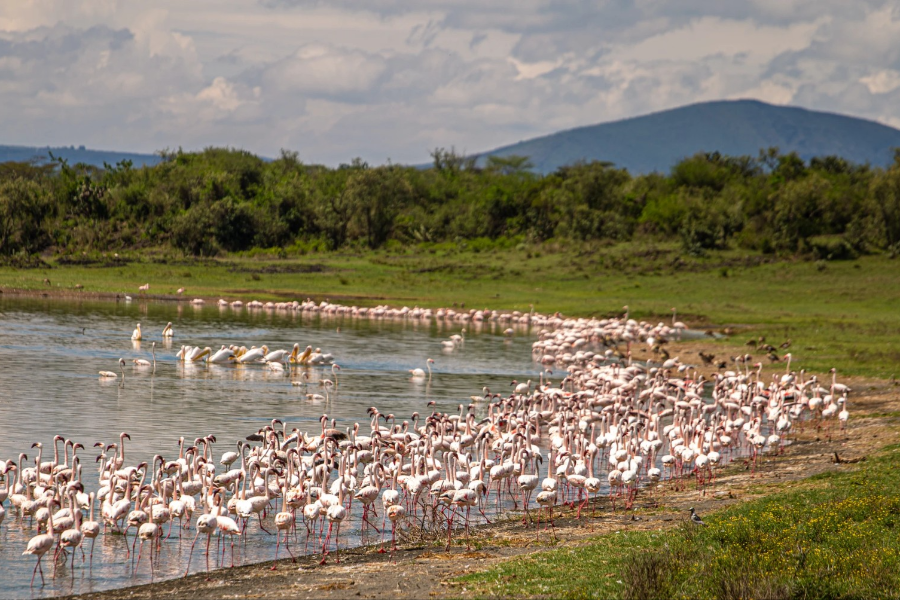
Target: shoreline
(66, 294)
(423, 569)
(437, 569)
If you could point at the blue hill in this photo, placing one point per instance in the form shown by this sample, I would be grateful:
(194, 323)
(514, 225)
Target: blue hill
(74, 155)
(657, 141)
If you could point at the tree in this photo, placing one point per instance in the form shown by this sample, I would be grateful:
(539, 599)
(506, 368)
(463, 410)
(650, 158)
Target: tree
(376, 196)
(451, 162)
(886, 204)
(509, 165)
(23, 207)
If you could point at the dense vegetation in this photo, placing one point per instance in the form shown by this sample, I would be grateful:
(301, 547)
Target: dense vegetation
(219, 200)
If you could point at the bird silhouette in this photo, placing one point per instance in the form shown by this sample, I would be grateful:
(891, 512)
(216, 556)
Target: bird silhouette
(707, 358)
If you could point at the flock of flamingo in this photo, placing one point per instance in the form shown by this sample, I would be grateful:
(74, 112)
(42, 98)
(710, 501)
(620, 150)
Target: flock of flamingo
(610, 425)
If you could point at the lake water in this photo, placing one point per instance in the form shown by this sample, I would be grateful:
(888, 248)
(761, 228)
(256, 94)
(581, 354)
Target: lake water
(51, 351)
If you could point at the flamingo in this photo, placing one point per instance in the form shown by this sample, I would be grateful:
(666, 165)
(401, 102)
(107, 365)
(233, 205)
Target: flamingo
(527, 483)
(149, 532)
(284, 520)
(113, 374)
(335, 514)
(72, 537)
(38, 546)
(143, 362)
(396, 513)
(419, 373)
(206, 524)
(91, 528)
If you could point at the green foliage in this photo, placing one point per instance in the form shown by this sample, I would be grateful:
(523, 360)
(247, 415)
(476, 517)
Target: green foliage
(220, 199)
(23, 208)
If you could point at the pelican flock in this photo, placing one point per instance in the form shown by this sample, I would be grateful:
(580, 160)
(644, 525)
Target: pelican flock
(609, 426)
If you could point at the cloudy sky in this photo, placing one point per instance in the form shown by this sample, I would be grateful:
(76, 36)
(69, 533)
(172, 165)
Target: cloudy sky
(391, 79)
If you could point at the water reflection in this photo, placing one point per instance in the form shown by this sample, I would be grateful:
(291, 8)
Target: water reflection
(52, 351)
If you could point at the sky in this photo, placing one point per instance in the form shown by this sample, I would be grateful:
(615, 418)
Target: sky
(390, 80)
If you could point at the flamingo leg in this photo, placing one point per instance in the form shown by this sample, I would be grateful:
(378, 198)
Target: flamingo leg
(449, 530)
(261, 526)
(468, 509)
(287, 545)
(140, 550)
(33, 573)
(127, 551)
(337, 541)
(383, 517)
(133, 542)
(208, 535)
(325, 545)
(190, 554)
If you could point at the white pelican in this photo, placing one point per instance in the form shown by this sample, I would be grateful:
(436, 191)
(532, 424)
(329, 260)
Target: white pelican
(196, 353)
(318, 358)
(276, 356)
(136, 334)
(253, 354)
(303, 358)
(168, 331)
(223, 355)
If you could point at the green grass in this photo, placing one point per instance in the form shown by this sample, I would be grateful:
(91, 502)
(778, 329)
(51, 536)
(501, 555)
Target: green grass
(833, 537)
(840, 314)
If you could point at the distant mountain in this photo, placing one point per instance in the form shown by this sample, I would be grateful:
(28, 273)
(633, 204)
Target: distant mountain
(657, 141)
(74, 155)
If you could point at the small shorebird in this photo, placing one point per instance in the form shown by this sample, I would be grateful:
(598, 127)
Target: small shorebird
(695, 518)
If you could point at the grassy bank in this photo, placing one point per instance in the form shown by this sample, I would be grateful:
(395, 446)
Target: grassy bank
(832, 536)
(839, 313)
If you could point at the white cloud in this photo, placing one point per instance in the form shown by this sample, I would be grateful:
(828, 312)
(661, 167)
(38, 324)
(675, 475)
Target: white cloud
(882, 82)
(392, 79)
(319, 70)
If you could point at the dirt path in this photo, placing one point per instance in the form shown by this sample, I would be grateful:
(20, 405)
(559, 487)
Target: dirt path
(423, 569)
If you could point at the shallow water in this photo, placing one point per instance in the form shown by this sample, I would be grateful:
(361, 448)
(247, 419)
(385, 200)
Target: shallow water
(51, 351)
